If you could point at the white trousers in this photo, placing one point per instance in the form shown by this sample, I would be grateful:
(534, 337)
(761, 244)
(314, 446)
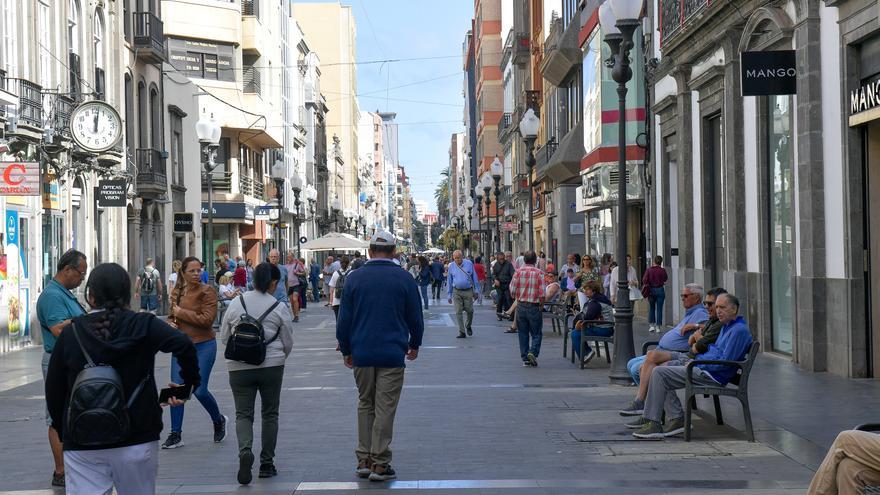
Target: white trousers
(131, 470)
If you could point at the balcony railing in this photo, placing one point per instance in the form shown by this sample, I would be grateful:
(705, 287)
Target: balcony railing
(250, 7)
(149, 37)
(251, 80)
(60, 117)
(675, 14)
(151, 178)
(30, 101)
(544, 153)
(220, 181)
(3, 87)
(251, 187)
(504, 124)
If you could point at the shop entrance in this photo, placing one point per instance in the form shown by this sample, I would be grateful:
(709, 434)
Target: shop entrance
(871, 159)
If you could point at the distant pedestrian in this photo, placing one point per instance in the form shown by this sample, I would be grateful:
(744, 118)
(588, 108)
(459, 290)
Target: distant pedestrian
(100, 455)
(193, 311)
(295, 269)
(303, 285)
(148, 287)
(527, 287)
(653, 283)
(248, 379)
(502, 274)
(358, 261)
(337, 284)
(480, 268)
(327, 271)
(203, 276)
(281, 290)
(437, 277)
(172, 277)
(315, 280)
(380, 322)
(424, 279)
(463, 289)
(56, 307)
(240, 276)
(249, 268)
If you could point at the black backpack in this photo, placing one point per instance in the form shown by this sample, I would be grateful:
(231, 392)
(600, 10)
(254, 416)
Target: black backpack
(97, 412)
(340, 283)
(147, 284)
(248, 341)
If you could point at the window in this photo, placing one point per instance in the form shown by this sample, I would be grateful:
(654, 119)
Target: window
(45, 58)
(201, 59)
(10, 38)
(592, 93)
(129, 117)
(156, 130)
(176, 122)
(569, 12)
(99, 54)
(143, 113)
(73, 26)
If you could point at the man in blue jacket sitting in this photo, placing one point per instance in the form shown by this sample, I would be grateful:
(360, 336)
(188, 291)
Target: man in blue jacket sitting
(380, 323)
(733, 344)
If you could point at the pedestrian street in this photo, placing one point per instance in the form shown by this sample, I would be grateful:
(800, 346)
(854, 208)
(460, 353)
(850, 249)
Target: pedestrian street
(471, 419)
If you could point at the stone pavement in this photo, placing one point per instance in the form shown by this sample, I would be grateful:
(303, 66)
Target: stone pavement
(473, 420)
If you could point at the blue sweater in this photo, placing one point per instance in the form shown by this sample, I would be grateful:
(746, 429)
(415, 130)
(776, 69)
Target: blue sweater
(380, 315)
(733, 343)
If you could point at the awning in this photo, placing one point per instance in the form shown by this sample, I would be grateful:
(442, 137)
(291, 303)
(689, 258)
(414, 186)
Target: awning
(333, 241)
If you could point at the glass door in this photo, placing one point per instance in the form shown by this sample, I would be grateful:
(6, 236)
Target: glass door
(781, 225)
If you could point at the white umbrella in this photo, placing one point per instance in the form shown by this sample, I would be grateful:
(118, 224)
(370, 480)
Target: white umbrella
(433, 251)
(335, 240)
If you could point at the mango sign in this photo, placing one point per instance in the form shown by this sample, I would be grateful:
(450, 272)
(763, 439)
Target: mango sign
(19, 179)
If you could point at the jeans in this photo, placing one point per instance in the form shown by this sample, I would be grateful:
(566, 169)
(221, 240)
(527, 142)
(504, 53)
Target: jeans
(588, 331)
(424, 291)
(149, 302)
(316, 289)
(634, 365)
(504, 301)
(206, 353)
(436, 285)
(655, 305)
(529, 324)
(245, 384)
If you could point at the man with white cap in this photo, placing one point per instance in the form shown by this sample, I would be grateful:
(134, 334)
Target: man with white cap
(380, 325)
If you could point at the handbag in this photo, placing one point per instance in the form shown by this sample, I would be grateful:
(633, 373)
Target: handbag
(635, 294)
(646, 291)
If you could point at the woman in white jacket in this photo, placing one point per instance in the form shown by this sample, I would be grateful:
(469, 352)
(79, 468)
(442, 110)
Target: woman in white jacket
(248, 379)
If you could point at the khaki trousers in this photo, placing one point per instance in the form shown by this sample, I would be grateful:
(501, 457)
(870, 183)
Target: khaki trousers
(378, 394)
(852, 462)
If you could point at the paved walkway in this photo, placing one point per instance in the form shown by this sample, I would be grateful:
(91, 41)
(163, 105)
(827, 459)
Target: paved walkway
(473, 420)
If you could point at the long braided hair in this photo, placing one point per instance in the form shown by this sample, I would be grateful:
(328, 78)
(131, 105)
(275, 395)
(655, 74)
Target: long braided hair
(182, 284)
(109, 289)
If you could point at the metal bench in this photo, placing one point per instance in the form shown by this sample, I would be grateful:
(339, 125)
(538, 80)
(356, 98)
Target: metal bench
(740, 390)
(557, 314)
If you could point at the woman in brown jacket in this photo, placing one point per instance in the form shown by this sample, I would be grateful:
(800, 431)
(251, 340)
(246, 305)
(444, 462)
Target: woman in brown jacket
(193, 309)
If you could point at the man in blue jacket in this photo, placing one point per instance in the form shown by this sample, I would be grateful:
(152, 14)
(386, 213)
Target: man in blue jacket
(733, 343)
(380, 323)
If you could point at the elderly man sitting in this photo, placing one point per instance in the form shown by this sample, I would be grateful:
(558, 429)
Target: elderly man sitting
(732, 345)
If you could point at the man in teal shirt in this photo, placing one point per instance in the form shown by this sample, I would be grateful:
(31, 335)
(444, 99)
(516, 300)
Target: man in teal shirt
(55, 308)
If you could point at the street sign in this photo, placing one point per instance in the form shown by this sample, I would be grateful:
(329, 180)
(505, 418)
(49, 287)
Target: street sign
(510, 227)
(19, 179)
(769, 73)
(262, 213)
(111, 193)
(183, 222)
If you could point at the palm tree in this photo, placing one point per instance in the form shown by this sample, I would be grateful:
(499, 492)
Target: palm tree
(441, 195)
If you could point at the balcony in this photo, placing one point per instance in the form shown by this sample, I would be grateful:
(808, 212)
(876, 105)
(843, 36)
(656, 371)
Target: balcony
(61, 106)
(252, 187)
(561, 52)
(221, 181)
(251, 79)
(521, 51)
(544, 154)
(151, 179)
(250, 7)
(504, 125)
(676, 14)
(149, 38)
(30, 101)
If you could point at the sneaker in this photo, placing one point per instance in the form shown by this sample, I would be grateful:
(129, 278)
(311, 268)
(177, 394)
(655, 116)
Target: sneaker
(245, 464)
(461, 335)
(531, 359)
(527, 364)
(174, 441)
(651, 429)
(634, 408)
(673, 427)
(296, 319)
(220, 430)
(589, 357)
(470, 331)
(635, 425)
(57, 479)
(268, 470)
(364, 468)
(382, 472)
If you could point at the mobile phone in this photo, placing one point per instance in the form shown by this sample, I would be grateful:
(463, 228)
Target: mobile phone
(181, 393)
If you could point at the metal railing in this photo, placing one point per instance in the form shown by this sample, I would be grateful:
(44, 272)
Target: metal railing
(149, 32)
(30, 100)
(250, 7)
(675, 14)
(251, 79)
(3, 87)
(251, 187)
(503, 124)
(220, 181)
(61, 118)
(150, 168)
(545, 153)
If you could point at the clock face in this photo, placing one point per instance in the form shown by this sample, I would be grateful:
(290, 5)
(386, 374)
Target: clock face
(95, 126)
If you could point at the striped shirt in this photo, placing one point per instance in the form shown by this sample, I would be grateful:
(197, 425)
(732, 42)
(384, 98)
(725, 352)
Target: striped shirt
(527, 285)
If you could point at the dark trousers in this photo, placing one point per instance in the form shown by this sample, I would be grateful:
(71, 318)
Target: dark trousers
(436, 285)
(245, 384)
(529, 326)
(504, 302)
(316, 290)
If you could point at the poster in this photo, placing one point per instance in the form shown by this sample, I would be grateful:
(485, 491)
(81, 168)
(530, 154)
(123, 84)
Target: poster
(14, 291)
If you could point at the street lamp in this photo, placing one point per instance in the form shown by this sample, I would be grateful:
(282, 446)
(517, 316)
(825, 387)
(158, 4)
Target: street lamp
(364, 226)
(619, 20)
(478, 193)
(311, 196)
(335, 206)
(497, 169)
(528, 129)
(470, 210)
(486, 182)
(279, 174)
(347, 214)
(208, 131)
(297, 185)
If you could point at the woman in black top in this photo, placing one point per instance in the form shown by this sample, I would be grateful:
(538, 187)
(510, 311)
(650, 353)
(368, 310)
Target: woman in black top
(114, 335)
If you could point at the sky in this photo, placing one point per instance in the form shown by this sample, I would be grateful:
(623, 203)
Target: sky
(430, 107)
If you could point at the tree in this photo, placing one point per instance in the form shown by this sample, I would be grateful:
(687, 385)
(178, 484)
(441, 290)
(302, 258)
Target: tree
(441, 194)
(419, 235)
(436, 232)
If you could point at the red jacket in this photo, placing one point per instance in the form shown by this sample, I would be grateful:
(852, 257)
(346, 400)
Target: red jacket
(239, 278)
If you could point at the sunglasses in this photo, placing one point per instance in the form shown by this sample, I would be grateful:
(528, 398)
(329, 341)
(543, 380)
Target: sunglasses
(708, 304)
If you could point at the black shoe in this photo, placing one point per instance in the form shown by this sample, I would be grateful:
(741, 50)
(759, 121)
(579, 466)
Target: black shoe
(245, 465)
(268, 471)
(220, 430)
(470, 331)
(296, 319)
(382, 472)
(500, 317)
(531, 359)
(174, 441)
(461, 335)
(57, 479)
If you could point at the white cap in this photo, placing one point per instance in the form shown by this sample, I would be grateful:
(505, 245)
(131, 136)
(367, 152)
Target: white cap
(382, 238)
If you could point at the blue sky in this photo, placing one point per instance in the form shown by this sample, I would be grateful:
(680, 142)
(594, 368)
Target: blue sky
(403, 29)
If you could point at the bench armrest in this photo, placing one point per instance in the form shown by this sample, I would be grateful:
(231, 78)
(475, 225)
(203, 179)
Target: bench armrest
(689, 370)
(598, 323)
(649, 344)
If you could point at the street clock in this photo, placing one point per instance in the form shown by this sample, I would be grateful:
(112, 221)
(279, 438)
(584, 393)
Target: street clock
(95, 126)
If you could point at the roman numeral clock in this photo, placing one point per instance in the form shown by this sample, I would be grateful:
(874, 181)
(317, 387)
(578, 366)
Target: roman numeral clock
(95, 126)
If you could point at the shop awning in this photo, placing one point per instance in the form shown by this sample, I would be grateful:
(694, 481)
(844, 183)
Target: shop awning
(334, 241)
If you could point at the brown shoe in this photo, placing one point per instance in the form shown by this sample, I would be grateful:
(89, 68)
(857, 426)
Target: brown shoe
(364, 468)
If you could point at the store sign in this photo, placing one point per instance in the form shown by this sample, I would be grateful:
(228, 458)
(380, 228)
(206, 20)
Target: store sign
(237, 211)
(600, 188)
(865, 97)
(510, 227)
(183, 222)
(111, 193)
(202, 59)
(769, 73)
(19, 179)
(266, 213)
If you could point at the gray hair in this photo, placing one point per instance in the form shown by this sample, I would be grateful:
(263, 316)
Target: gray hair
(731, 299)
(696, 289)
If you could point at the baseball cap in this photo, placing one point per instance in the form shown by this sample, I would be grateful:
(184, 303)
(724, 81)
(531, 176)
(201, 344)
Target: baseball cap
(382, 238)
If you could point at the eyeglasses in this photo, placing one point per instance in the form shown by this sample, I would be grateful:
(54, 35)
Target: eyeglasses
(708, 304)
(77, 270)
(686, 295)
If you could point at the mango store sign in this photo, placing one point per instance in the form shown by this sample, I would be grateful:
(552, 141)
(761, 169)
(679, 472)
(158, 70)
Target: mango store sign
(19, 179)
(864, 103)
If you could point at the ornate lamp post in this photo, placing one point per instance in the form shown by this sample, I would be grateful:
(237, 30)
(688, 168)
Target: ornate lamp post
(297, 185)
(497, 170)
(619, 20)
(279, 173)
(346, 216)
(478, 194)
(208, 131)
(311, 197)
(470, 210)
(364, 226)
(528, 129)
(486, 182)
(335, 207)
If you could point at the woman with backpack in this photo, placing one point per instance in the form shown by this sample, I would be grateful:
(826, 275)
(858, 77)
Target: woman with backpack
(257, 312)
(336, 284)
(193, 310)
(98, 457)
